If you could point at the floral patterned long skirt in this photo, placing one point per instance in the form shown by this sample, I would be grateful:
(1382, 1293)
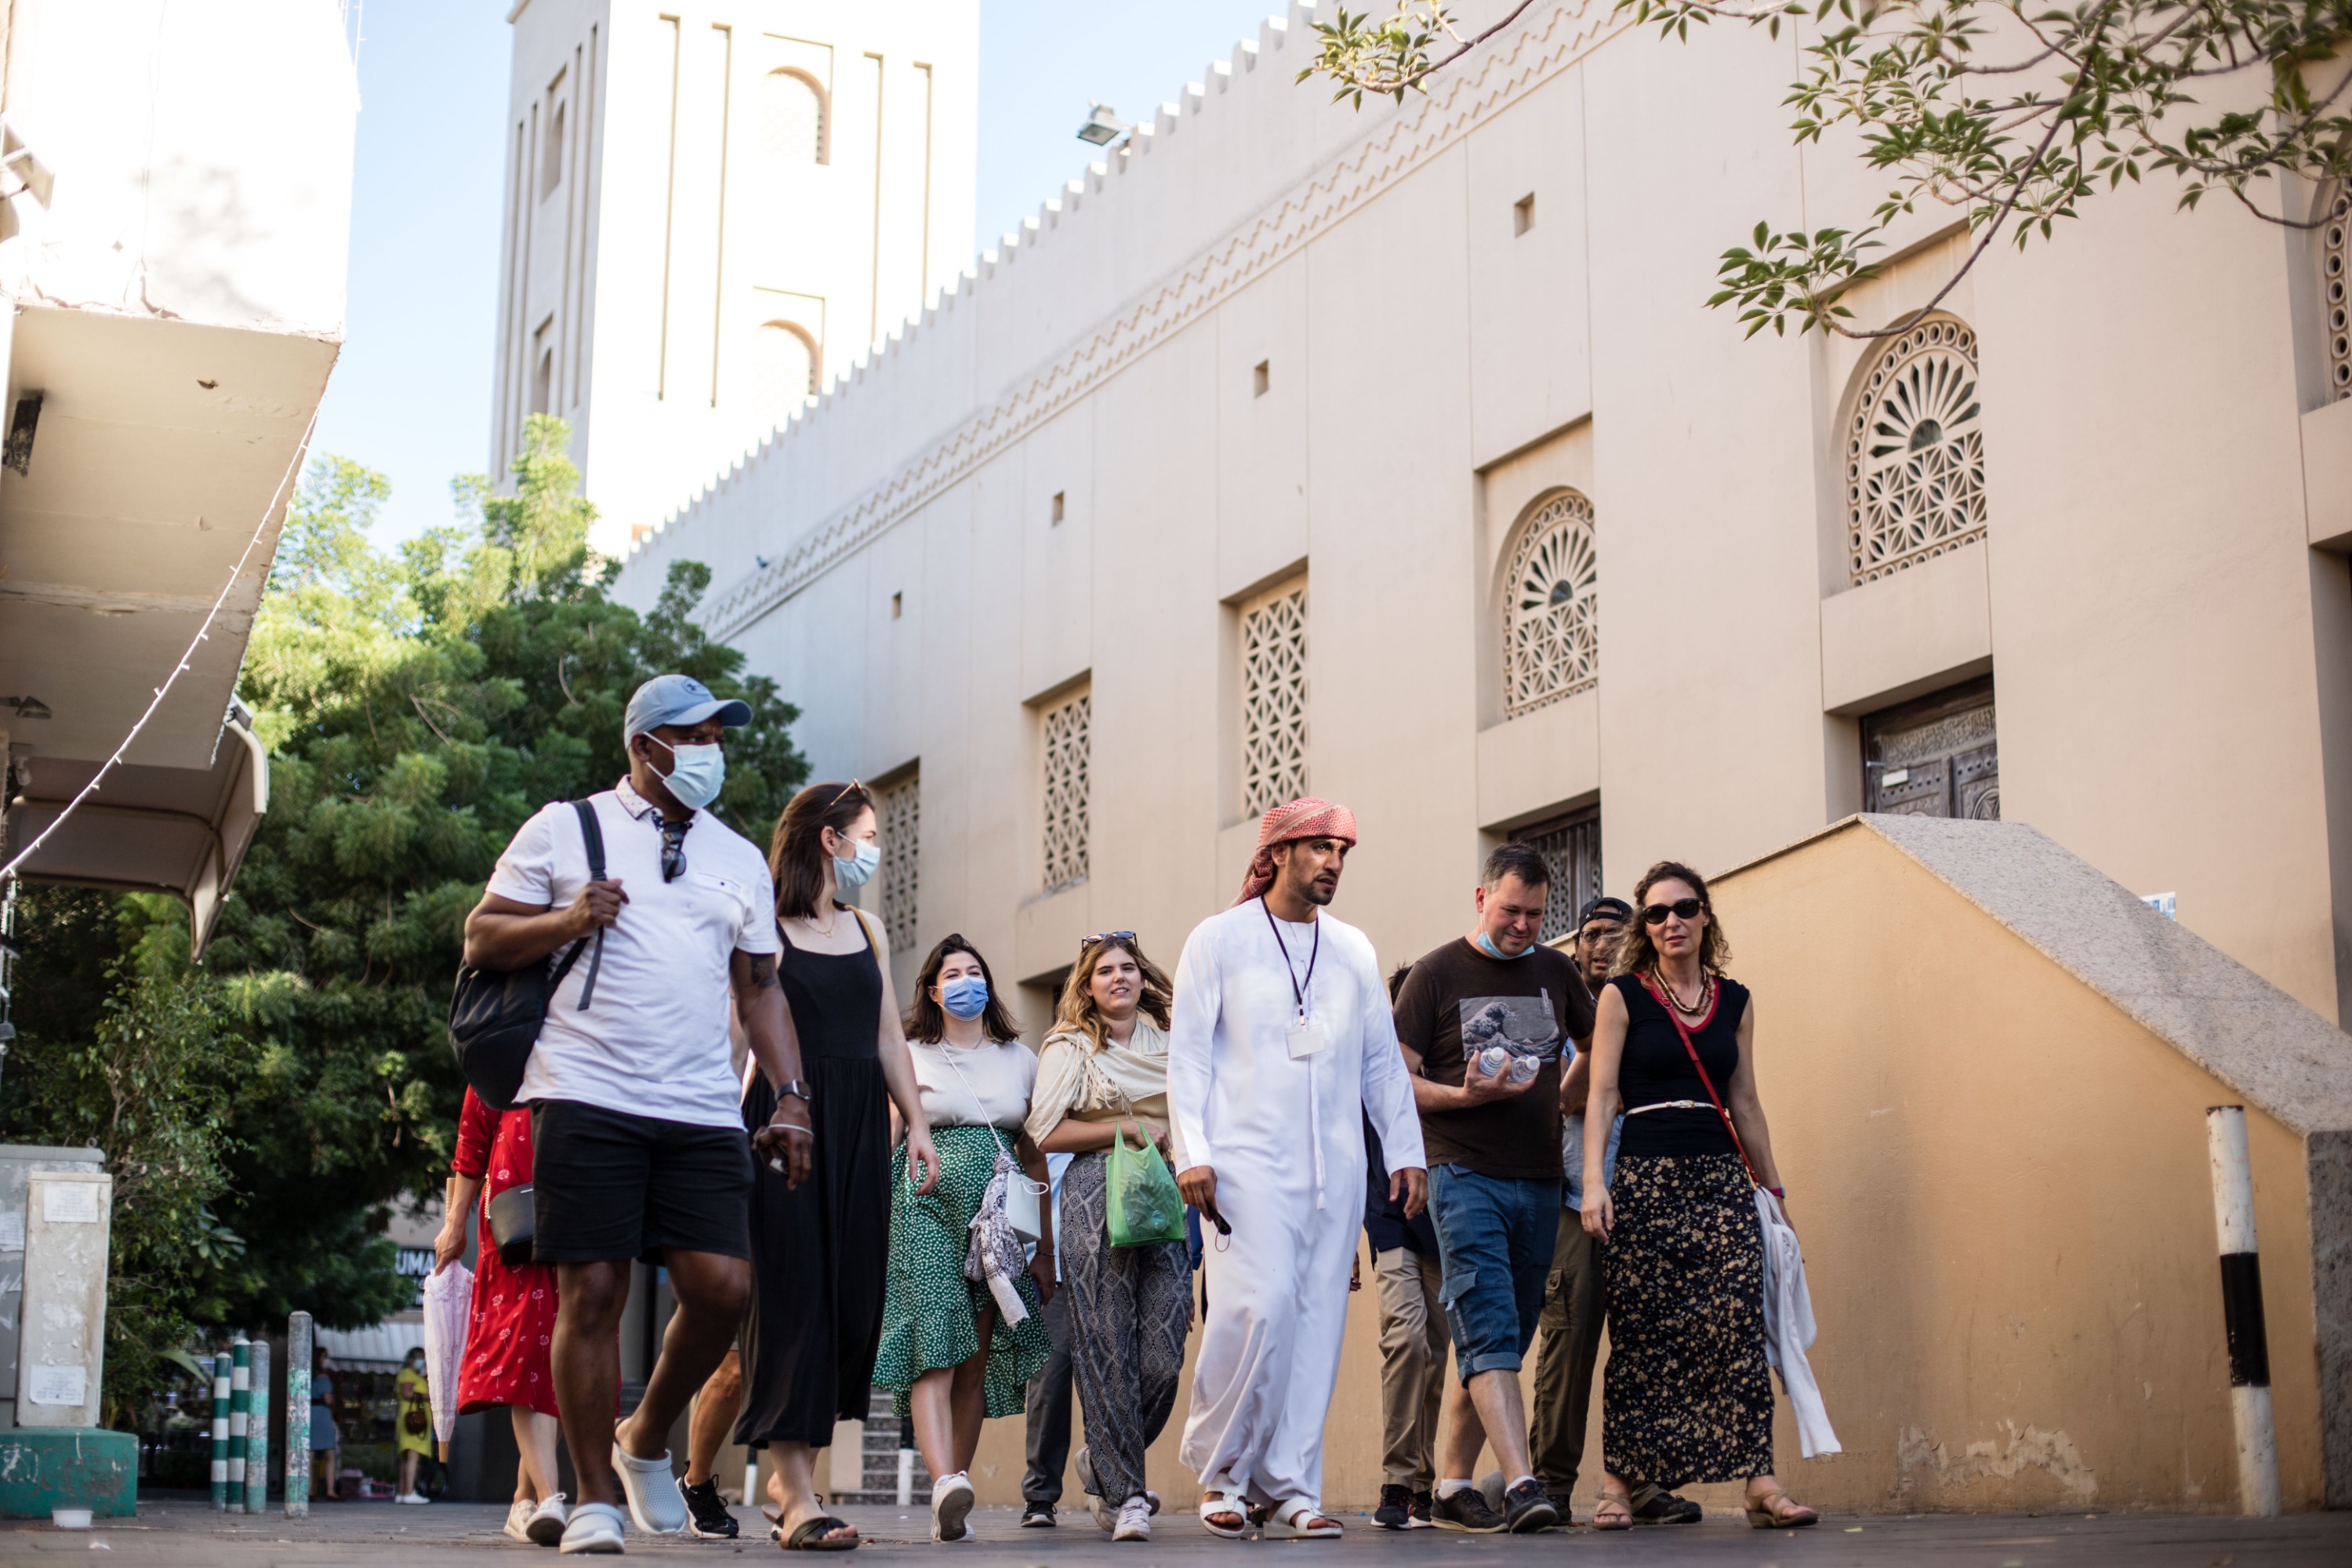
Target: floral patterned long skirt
(1686, 1395)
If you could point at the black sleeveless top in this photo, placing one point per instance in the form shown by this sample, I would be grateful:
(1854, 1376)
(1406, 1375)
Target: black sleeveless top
(1656, 1067)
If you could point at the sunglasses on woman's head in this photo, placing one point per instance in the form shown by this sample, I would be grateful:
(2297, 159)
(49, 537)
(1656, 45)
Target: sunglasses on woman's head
(1681, 909)
(1086, 943)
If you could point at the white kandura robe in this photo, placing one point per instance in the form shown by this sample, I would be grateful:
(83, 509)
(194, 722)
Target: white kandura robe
(1269, 1355)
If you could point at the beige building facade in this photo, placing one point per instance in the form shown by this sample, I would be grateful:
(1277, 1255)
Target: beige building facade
(1392, 457)
(711, 209)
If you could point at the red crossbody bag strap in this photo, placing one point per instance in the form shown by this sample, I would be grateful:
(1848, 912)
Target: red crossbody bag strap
(1675, 1019)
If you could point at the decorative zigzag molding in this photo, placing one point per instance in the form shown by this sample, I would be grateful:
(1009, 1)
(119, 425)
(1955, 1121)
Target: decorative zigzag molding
(1533, 57)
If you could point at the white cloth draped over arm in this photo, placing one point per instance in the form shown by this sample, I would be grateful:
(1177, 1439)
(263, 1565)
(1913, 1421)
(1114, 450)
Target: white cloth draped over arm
(1788, 1328)
(1388, 1089)
(1192, 1037)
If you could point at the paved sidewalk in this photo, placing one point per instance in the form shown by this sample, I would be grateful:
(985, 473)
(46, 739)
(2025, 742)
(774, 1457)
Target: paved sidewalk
(186, 1534)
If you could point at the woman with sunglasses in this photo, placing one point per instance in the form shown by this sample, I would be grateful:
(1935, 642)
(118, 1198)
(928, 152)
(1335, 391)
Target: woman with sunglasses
(819, 1251)
(1103, 1074)
(956, 1351)
(1686, 1396)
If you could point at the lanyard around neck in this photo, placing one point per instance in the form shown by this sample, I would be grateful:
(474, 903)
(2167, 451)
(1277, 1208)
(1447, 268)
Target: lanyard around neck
(1312, 954)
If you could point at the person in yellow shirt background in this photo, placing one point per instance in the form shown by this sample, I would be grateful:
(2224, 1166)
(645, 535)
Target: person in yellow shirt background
(412, 1432)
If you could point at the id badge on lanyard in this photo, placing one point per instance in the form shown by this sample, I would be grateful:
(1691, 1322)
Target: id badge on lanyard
(1305, 1038)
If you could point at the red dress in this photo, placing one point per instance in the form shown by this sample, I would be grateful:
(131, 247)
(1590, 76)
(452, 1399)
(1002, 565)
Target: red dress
(513, 1319)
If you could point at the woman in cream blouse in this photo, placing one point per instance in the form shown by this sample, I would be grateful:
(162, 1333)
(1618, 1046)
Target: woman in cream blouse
(1104, 1070)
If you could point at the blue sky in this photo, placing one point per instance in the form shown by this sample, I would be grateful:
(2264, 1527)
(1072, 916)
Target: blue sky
(411, 395)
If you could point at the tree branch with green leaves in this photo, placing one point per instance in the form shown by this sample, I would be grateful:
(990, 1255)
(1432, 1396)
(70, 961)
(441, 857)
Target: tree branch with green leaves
(2008, 116)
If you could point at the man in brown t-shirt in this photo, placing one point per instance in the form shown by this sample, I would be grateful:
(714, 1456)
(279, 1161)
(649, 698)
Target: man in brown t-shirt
(1483, 1021)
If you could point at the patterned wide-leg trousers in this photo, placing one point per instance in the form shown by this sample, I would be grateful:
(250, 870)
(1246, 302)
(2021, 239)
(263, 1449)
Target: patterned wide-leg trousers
(1129, 1306)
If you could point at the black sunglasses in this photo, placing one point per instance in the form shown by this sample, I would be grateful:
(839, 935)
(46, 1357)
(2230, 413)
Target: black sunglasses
(673, 852)
(1681, 909)
(1086, 943)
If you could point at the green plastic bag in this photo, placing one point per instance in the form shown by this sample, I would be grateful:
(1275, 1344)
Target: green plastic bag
(1144, 1205)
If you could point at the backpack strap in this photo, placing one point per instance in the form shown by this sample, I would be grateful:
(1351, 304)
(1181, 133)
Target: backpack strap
(594, 835)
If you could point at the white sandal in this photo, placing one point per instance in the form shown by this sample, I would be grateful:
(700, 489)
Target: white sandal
(1299, 1520)
(1218, 1504)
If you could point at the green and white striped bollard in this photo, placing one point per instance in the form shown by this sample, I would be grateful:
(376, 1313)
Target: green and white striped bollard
(224, 1372)
(240, 1405)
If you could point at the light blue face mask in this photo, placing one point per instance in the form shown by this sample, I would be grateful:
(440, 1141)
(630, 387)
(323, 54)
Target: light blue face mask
(964, 995)
(857, 872)
(697, 773)
(1486, 945)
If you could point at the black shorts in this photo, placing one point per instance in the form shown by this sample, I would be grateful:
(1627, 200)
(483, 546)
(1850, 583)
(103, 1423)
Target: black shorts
(607, 1186)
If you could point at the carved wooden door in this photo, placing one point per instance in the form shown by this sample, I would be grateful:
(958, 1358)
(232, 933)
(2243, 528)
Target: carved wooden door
(1935, 757)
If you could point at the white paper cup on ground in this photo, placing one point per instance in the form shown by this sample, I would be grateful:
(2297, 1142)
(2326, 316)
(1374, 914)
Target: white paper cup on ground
(70, 1518)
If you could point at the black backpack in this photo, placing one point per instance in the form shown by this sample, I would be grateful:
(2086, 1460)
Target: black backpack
(494, 1015)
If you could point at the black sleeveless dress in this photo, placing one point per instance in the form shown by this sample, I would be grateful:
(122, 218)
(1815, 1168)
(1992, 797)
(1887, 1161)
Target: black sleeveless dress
(820, 1256)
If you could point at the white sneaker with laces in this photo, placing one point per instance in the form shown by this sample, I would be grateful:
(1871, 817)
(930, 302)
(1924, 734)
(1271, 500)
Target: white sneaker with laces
(518, 1523)
(1134, 1520)
(594, 1527)
(655, 1505)
(547, 1522)
(412, 1497)
(952, 1501)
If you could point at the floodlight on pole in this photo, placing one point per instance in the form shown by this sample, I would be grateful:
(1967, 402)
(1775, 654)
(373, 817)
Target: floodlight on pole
(1103, 125)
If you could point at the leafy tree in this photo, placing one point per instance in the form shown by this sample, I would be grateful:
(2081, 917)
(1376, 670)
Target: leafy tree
(418, 706)
(147, 1085)
(2011, 115)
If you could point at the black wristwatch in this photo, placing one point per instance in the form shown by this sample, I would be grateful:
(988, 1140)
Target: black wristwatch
(793, 1089)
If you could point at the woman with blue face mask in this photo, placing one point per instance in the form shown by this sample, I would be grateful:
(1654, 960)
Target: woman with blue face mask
(956, 1352)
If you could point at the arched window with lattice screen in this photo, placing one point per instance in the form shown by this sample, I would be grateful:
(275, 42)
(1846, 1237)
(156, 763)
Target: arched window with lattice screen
(1914, 452)
(783, 369)
(1551, 612)
(792, 119)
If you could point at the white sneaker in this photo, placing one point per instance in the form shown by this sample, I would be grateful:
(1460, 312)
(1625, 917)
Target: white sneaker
(412, 1496)
(518, 1523)
(1134, 1520)
(547, 1522)
(1105, 1517)
(594, 1527)
(952, 1501)
(655, 1505)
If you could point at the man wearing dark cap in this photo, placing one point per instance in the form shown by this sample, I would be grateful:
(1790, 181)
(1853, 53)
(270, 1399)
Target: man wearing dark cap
(635, 1127)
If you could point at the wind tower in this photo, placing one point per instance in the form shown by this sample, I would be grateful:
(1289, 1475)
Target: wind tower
(712, 208)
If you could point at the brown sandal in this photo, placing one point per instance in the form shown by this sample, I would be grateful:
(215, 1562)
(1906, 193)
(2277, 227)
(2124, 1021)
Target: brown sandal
(1621, 1501)
(1764, 1516)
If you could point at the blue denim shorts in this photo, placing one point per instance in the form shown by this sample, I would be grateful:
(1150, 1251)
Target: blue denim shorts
(1496, 1235)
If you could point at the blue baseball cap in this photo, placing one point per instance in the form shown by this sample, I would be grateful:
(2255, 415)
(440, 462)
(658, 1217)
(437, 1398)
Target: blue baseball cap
(678, 700)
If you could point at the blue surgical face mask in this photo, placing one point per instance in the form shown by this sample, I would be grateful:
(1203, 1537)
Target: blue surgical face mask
(1486, 945)
(696, 775)
(855, 872)
(964, 995)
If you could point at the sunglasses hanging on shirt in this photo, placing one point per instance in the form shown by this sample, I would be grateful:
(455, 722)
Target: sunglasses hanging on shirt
(673, 855)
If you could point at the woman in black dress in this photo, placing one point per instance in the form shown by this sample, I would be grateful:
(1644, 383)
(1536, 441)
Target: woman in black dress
(821, 1252)
(1686, 1396)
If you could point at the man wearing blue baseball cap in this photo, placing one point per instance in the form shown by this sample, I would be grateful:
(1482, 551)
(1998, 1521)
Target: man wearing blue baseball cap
(635, 1127)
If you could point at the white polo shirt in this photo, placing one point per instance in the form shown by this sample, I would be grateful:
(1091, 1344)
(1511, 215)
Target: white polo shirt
(653, 1041)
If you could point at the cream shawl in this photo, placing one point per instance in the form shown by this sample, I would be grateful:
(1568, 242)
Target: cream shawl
(1075, 1080)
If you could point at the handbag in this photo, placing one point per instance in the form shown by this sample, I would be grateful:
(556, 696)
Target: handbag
(494, 1015)
(513, 1218)
(1023, 1210)
(1143, 1206)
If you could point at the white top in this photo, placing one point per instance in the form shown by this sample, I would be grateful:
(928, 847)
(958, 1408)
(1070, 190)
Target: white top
(992, 1089)
(653, 1041)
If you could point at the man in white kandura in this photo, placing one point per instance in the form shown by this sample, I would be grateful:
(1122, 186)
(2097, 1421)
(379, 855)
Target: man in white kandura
(1281, 1044)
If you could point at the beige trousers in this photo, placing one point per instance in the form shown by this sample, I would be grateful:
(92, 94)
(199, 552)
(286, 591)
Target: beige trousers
(1413, 1341)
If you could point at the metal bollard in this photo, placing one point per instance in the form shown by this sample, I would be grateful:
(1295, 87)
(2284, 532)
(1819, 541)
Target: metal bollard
(2242, 1311)
(223, 1373)
(240, 1406)
(298, 1416)
(257, 1433)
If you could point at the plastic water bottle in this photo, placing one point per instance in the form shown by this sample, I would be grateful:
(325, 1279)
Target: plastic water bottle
(1494, 1062)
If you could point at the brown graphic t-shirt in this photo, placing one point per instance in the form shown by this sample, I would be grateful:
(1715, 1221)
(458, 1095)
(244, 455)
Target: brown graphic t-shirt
(1458, 1002)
